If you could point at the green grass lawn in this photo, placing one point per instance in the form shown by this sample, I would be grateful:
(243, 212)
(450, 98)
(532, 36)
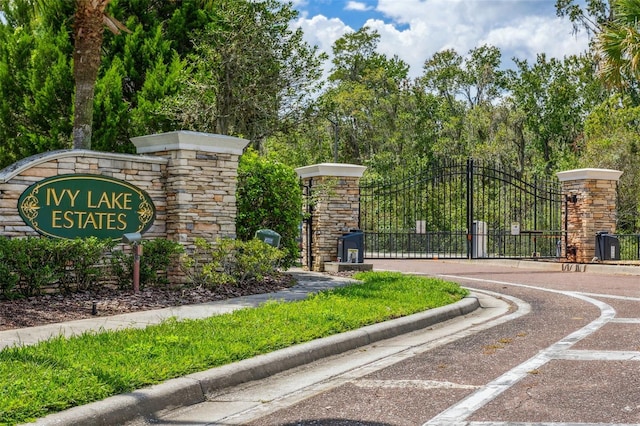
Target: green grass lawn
(65, 372)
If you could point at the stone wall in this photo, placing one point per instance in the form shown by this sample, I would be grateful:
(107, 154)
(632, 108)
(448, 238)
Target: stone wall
(590, 207)
(333, 196)
(147, 173)
(191, 178)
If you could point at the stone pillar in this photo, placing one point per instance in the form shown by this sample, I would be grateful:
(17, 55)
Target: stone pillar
(201, 178)
(589, 207)
(332, 195)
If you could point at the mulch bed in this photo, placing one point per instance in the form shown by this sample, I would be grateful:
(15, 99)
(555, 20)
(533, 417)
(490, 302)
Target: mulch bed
(49, 309)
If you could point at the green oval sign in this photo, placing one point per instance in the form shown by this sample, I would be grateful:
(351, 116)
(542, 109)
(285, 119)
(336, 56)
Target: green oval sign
(82, 205)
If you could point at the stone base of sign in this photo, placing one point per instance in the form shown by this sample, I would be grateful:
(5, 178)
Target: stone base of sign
(146, 173)
(344, 267)
(190, 177)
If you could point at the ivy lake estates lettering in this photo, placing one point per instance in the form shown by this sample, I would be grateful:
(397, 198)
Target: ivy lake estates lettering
(83, 205)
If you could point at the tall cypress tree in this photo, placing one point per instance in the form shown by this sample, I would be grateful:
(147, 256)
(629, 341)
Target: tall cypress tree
(36, 82)
(239, 50)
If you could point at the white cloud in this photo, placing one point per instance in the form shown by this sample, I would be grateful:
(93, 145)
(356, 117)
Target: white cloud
(357, 6)
(538, 35)
(416, 29)
(322, 31)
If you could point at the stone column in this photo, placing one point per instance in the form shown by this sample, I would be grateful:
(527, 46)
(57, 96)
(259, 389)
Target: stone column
(589, 207)
(332, 193)
(201, 178)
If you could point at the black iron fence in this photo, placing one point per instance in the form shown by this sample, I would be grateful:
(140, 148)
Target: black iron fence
(454, 244)
(469, 209)
(629, 246)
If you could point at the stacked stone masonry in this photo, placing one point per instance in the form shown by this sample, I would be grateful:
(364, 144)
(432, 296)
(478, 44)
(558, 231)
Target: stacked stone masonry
(147, 173)
(594, 209)
(200, 190)
(333, 196)
(191, 178)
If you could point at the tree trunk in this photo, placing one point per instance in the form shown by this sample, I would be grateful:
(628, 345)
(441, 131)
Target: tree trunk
(88, 32)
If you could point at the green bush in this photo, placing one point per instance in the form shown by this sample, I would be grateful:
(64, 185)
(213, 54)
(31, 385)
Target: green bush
(29, 265)
(158, 256)
(230, 261)
(8, 276)
(269, 197)
(35, 261)
(82, 261)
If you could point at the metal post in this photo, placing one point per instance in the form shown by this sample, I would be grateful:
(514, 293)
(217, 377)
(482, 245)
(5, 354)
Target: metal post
(535, 213)
(137, 251)
(134, 239)
(470, 236)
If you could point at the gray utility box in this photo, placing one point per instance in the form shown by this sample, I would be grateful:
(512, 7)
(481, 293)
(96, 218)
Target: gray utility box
(607, 246)
(479, 239)
(268, 236)
(351, 247)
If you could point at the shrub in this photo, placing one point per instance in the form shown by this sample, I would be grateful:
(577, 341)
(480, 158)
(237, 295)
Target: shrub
(36, 262)
(231, 261)
(29, 265)
(82, 261)
(8, 276)
(158, 256)
(269, 197)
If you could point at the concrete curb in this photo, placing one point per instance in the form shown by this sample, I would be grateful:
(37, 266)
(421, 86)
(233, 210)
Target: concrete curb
(192, 389)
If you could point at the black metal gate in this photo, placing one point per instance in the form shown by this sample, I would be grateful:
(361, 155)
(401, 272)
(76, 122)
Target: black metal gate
(471, 209)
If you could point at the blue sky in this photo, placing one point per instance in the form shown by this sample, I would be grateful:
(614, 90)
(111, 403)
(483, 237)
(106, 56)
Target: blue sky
(416, 29)
(352, 13)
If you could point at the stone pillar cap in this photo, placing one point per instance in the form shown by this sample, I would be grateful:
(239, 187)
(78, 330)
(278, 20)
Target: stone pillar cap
(587, 174)
(189, 141)
(331, 169)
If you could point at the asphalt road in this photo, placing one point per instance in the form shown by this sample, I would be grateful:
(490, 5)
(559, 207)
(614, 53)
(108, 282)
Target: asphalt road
(546, 348)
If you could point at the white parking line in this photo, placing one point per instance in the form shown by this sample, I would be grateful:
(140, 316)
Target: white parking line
(410, 384)
(584, 355)
(459, 412)
(611, 296)
(626, 320)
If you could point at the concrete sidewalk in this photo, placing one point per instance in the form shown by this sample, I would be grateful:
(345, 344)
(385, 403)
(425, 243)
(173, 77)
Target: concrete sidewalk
(192, 389)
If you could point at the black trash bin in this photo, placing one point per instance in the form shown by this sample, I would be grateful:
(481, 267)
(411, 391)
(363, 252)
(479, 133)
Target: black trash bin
(607, 246)
(351, 247)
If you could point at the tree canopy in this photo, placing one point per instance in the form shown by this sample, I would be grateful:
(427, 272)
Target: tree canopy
(247, 72)
(239, 67)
